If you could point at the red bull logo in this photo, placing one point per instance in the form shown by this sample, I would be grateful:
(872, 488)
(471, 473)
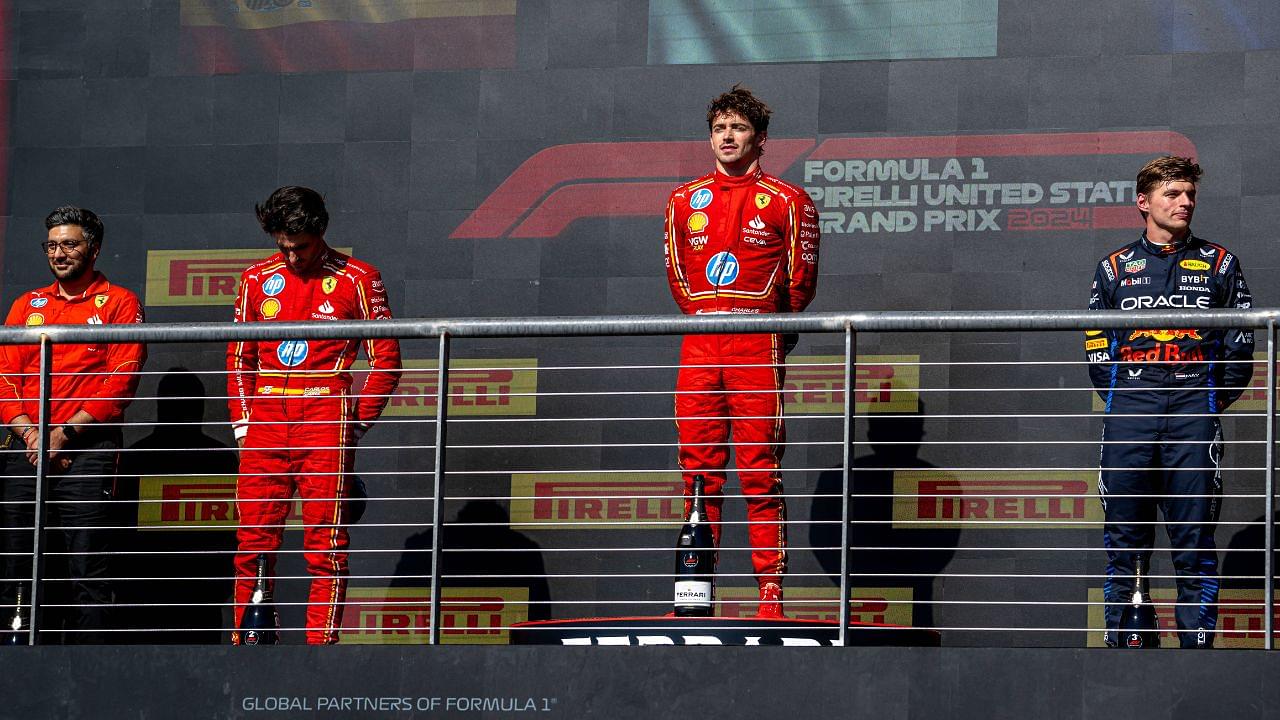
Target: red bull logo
(1165, 336)
(1162, 352)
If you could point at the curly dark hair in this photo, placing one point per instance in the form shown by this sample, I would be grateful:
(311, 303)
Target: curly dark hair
(741, 101)
(292, 210)
(89, 223)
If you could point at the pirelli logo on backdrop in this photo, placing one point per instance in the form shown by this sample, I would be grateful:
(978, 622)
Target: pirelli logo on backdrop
(883, 384)
(501, 386)
(402, 616)
(990, 499)
(597, 501)
(199, 277)
(1240, 618)
(881, 605)
(209, 501)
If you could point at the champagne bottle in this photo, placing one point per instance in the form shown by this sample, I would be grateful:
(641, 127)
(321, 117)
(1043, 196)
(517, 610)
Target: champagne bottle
(1138, 628)
(258, 625)
(695, 559)
(17, 634)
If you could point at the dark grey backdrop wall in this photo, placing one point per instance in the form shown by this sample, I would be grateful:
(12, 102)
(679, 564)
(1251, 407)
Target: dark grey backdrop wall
(511, 158)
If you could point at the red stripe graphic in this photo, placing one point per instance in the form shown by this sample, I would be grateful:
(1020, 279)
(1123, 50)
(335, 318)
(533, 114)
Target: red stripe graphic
(541, 175)
(1116, 217)
(564, 183)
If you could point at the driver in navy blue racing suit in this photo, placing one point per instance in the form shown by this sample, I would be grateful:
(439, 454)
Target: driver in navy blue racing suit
(1164, 390)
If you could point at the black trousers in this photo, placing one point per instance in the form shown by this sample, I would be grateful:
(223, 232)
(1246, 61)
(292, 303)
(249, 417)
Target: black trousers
(1163, 456)
(76, 520)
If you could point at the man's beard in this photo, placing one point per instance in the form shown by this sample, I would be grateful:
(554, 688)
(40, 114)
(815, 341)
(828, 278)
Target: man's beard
(74, 270)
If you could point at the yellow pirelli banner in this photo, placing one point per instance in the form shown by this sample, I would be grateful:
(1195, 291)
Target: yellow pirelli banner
(402, 616)
(260, 15)
(995, 499)
(200, 277)
(199, 502)
(880, 605)
(883, 384)
(1241, 618)
(501, 386)
(597, 501)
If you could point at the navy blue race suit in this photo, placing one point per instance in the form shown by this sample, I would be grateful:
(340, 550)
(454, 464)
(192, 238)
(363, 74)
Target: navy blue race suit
(1162, 440)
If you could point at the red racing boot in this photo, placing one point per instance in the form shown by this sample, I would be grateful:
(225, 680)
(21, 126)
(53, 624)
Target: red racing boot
(770, 607)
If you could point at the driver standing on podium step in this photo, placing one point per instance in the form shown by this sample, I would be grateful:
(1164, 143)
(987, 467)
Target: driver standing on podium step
(1164, 390)
(739, 240)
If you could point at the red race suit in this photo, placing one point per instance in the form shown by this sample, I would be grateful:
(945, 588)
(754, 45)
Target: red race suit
(99, 378)
(291, 403)
(739, 245)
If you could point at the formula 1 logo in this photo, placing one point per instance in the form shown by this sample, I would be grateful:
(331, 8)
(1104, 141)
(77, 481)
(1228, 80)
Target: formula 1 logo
(722, 269)
(945, 183)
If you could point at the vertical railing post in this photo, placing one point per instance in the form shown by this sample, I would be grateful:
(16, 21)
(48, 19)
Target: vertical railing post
(1268, 565)
(846, 477)
(42, 471)
(437, 530)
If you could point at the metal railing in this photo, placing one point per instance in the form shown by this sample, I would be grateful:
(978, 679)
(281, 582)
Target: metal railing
(847, 325)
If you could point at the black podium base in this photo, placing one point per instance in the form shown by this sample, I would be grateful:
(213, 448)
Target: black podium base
(671, 630)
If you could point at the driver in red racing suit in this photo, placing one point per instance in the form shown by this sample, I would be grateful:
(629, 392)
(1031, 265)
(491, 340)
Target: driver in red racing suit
(739, 241)
(291, 408)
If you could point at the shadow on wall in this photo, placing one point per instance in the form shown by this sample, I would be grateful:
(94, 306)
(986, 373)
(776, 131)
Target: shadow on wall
(479, 542)
(194, 572)
(895, 445)
(1243, 565)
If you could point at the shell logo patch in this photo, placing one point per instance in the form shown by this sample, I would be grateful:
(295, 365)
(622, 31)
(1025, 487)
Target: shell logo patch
(35, 319)
(697, 222)
(269, 308)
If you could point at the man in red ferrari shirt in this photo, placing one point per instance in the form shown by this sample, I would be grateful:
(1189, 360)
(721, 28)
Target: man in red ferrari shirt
(739, 241)
(292, 410)
(92, 385)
